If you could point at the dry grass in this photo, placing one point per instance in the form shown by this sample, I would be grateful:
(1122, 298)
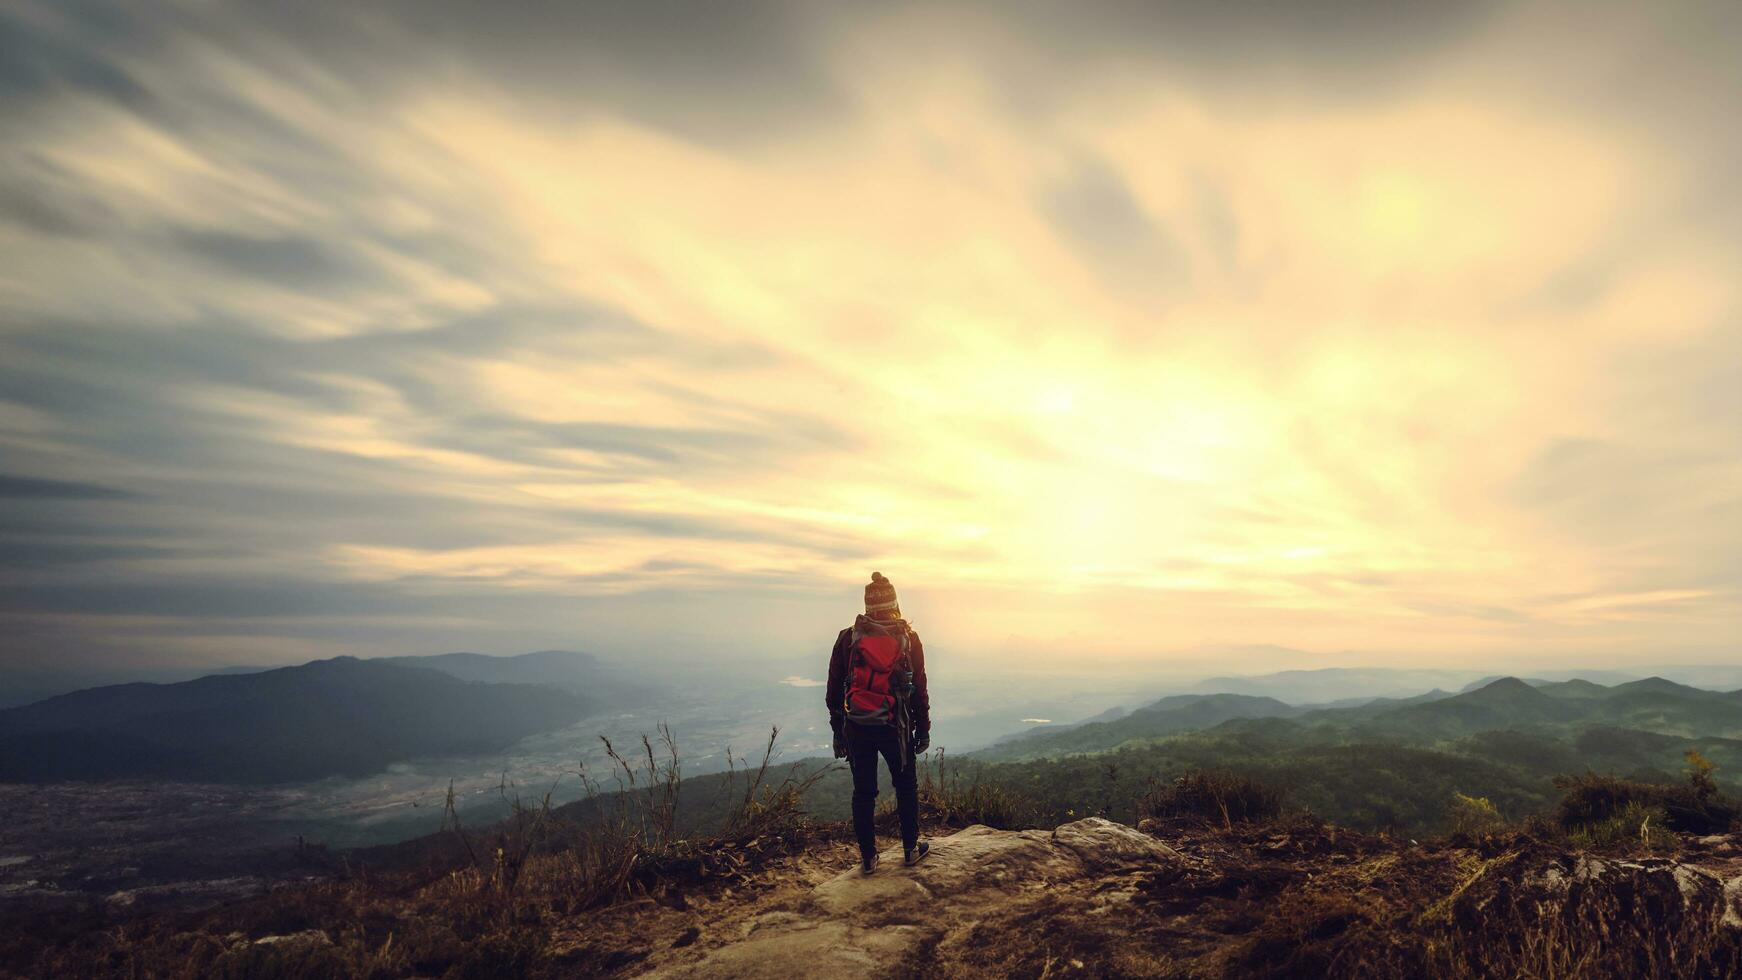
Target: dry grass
(1473, 817)
(948, 799)
(762, 807)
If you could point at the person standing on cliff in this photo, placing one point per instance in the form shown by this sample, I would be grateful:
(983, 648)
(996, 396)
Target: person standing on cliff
(879, 706)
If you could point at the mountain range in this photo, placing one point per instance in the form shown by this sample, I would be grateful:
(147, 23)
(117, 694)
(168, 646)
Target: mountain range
(1652, 705)
(343, 717)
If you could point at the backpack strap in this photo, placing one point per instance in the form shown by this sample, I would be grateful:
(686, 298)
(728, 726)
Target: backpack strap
(853, 657)
(903, 719)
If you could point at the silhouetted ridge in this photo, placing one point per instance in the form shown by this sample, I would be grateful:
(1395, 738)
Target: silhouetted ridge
(1244, 704)
(1659, 685)
(1509, 690)
(1578, 687)
(342, 716)
(1477, 685)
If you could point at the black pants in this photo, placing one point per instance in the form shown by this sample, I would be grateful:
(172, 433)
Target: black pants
(865, 744)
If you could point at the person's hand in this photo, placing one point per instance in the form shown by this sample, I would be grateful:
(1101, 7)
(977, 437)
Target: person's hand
(921, 742)
(840, 746)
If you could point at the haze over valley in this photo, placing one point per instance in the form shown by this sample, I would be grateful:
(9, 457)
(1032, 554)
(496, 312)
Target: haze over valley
(352, 753)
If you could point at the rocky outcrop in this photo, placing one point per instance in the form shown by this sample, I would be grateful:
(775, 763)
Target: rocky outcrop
(1098, 898)
(856, 926)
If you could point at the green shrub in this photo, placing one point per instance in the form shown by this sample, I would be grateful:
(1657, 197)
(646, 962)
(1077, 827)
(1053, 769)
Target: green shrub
(1473, 816)
(1695, 808)
(1211, 796)
(1605, 811)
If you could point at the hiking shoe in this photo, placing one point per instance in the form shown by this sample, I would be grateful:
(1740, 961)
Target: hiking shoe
(868, 865)
(917, 853)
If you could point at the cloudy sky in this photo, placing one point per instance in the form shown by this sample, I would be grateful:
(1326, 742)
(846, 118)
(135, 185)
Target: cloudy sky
(1399, 333)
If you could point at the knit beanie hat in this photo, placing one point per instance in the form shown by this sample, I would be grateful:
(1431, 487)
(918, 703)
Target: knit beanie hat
(880, 601)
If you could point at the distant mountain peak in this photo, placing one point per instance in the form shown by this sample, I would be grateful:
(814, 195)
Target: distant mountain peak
(1660, 685)
(1506, 688)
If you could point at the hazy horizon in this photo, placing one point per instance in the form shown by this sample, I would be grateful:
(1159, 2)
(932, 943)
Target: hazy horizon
(981, 683)
(1123, 338)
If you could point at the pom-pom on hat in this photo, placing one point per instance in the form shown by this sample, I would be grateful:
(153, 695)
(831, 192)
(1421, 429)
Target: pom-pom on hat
(880, 601)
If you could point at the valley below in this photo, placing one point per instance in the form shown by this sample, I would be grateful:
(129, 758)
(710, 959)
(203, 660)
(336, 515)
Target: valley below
(119, 839)
(169, 841)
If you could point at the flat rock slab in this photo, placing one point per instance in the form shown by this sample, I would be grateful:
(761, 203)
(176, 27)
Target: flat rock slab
(972, 859)
(1104, 846)
(831, 948)
(856, 926)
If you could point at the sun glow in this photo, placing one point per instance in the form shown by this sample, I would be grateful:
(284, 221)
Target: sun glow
(1288, 442)
(1110, 353)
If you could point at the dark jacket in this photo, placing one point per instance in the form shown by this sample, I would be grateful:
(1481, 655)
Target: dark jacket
(835, 692)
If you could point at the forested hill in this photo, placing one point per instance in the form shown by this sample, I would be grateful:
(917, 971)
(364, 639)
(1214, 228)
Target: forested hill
(331, 717)
(1389, 764)
(1652, 705)
(1168, 716)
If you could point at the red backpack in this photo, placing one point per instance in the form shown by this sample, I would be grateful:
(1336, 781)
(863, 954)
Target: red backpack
(879, 677)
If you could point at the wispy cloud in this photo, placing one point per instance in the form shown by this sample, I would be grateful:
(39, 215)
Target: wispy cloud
(422, 326)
